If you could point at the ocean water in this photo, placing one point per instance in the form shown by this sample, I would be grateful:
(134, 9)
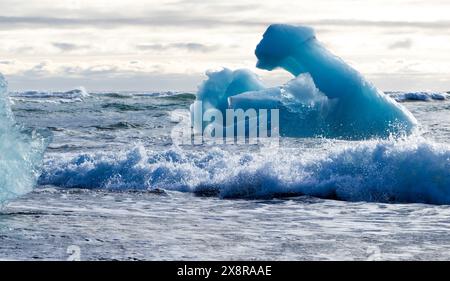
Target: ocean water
(114, 186)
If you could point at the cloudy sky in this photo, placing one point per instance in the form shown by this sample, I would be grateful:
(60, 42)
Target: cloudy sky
(168, 44)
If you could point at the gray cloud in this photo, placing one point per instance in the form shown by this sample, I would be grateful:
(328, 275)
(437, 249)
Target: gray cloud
(37, 70)
(190, 46)
(136, 82)
(391, 24)
(104, 70)
(162, 19)
(180, 19)
(195, 47)
(214, 7)
(95, 70)
(402, 44)
(24, 49)
(153, 47)
(63, 46)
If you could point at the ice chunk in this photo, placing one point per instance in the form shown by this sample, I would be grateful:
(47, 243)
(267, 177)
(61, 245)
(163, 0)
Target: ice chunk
(360, 109)
(304, 110)
(20, 153)
(267, 98)
(326, 98)
(220, 85)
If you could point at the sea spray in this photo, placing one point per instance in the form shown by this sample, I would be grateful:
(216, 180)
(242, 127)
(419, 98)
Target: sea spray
(412, 170)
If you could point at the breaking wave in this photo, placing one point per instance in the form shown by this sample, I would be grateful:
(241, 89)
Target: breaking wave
(419, 96)
(412, 170)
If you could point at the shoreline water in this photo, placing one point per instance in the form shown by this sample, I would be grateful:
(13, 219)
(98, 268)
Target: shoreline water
(180, 226)
(133, 224)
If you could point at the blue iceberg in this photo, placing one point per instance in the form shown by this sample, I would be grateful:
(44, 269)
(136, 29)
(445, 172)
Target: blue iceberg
(21, 152)
(326, 97)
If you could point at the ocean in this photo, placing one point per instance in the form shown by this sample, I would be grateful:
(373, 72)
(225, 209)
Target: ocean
(114, 186)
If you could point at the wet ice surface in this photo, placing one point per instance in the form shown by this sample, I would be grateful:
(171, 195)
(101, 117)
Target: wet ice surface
(172, 226)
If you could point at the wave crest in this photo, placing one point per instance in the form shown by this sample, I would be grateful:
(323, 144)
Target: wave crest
(413, 171)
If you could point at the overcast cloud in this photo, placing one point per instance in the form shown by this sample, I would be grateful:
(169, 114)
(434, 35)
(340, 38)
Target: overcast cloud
(400, 45)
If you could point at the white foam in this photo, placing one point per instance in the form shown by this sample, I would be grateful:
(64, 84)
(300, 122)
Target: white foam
(419, 96)
(412, 170)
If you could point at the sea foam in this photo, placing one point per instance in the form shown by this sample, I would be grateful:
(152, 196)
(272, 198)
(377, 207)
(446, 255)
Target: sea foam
(412, 170)
(419, 96)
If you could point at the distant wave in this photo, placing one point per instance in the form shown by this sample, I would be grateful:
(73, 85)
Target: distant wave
(114, 95)
(79, 94)
(413, 171)
(131, 94)
(127, 107)
(168, 94)
(181, 96)
(75, 93)
(419, 96)
(118, 125)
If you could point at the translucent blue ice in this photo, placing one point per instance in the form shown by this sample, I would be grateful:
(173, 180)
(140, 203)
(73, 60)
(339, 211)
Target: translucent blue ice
(20, 153)
(220, 85)
(326, 98)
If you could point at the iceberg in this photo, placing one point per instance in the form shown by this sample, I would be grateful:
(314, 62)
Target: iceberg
(214, 93)
(326, 97)
(21, 152)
